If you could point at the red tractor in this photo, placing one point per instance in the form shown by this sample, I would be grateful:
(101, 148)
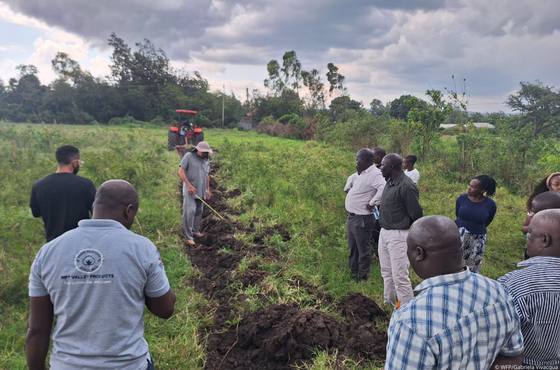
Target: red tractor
(188, 133)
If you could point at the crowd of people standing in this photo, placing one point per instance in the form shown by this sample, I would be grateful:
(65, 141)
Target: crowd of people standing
(459, 319)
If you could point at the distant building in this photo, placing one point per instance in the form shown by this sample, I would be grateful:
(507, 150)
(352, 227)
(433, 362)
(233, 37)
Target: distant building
(445, 126)
(248, 122)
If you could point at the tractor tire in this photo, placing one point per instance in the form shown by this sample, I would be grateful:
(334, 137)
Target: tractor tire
(171, 140)
(198, 137)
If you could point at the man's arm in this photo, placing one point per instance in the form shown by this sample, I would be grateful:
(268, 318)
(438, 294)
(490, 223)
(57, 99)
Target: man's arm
(38, 332)
(412, 203)
(208, 194)
(507, 362)
(379, 185)
(408, 351)
(163, 306)
(191, 189)
(90, 196)
(35, 209)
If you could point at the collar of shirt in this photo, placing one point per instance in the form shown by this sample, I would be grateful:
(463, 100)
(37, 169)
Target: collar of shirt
(538, 260)
(392, 182)
(367, 170)
(448, 279)
(101, 223)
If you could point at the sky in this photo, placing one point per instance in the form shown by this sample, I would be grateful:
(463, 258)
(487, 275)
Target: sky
(385, 48)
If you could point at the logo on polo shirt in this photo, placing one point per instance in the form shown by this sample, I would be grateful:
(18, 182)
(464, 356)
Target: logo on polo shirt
(88, 260)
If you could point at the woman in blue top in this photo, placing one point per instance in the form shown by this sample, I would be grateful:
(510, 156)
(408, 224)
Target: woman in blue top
(474, 212)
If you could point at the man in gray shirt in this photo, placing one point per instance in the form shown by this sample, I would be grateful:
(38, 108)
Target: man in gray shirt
(96, 280)
(400, 208)
(360, 200)
(194, 170)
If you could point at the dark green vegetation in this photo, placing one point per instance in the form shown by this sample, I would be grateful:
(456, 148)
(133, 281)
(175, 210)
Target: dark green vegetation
(142, 86)
(291, 183)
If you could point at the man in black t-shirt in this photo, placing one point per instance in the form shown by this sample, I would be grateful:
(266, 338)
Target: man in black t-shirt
(62, 199)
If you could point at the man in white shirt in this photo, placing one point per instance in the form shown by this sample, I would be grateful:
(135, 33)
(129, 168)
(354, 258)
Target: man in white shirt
(363, 196)
(409, 170)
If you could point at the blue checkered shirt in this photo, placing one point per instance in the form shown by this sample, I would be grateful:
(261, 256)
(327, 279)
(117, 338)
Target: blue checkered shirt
(458, 321)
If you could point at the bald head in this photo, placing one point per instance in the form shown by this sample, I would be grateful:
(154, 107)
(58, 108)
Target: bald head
(116, 200)
(544, 234)
(393, 159)
(115, 193)
(546, 200)
(434, 246)
(391, 166)
(364, 159)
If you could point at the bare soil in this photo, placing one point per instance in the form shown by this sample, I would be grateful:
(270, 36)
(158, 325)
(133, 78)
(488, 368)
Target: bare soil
(275, 336)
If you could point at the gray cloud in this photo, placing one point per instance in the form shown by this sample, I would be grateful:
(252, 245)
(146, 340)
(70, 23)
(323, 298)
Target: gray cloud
(381, 46)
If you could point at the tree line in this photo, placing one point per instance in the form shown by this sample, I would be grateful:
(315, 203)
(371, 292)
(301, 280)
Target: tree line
(142, 87)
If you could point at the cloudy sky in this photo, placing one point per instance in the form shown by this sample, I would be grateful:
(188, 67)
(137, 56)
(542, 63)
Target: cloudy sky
(385, 48)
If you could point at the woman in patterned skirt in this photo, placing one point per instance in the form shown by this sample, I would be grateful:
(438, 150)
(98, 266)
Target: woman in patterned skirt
(475, 210)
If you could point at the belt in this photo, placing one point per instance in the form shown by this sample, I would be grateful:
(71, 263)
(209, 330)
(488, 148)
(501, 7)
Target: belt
(353, 214)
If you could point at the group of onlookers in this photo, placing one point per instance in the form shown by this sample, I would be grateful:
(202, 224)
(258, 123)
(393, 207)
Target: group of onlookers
(459, 319)
(96, 276)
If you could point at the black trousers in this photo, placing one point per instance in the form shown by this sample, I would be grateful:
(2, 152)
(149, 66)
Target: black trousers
(358, 231)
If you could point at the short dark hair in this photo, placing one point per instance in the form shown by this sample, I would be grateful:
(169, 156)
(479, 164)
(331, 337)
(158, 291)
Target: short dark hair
(487, 183)
(411, 158)
(541, 187)
(380, 150)
(66, 154)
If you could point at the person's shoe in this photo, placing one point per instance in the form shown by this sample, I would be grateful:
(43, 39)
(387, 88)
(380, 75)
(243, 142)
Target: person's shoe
(198, 235)
(190, 242)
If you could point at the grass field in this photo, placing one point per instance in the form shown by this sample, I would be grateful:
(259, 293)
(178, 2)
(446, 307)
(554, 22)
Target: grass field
(282, 182)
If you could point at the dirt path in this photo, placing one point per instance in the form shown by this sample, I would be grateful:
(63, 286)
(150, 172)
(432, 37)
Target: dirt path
(275, 336)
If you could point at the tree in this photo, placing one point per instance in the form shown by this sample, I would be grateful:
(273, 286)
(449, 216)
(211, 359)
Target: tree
(539, 103)
(426, 122)
(340, 105)
(274, 82)
(377, 108)
(68, 69)
(122, 60)
(336, 80)
(291, 68)
(399, 108)
(312, 80)
(27, 92)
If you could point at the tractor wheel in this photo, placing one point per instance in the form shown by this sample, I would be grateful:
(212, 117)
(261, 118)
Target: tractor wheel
(171, 140)
(198, 137)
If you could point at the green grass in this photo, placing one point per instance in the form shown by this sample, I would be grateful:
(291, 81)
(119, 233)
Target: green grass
(292, 183)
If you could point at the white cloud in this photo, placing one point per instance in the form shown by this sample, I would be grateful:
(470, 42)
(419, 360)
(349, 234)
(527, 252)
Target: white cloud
(46, 50)
(10, 48)
(99, 67)
(6, 14)
(7, 69)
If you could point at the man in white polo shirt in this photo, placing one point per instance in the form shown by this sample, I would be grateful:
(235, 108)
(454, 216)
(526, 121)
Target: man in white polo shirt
(363, 196)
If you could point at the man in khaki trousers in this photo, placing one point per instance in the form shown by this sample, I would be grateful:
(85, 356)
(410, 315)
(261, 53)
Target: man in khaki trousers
(400, 207)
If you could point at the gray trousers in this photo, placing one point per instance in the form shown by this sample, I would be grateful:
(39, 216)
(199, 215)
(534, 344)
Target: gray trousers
(358, 229)
(192, 213)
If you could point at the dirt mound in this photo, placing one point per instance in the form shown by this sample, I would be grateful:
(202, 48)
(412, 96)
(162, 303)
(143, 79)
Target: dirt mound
(275, 336)
(359, 308)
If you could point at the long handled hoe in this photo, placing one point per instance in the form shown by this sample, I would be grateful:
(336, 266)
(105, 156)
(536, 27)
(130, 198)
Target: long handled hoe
(208, 205)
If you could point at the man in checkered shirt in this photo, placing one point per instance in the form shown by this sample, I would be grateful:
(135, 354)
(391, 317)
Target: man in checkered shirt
(460, 320)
